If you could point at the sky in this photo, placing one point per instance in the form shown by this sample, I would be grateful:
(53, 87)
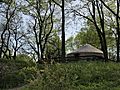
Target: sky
(74, 27)
(73, 24)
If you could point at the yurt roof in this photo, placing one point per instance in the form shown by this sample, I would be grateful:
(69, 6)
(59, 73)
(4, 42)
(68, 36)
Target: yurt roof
(87, 49)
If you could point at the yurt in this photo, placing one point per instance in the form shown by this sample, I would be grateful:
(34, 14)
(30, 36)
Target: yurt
(86, 51)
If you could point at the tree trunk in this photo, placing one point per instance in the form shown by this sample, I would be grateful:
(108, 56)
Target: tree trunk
(14, 57)
(105, 49)
(118, 32)
(63, 31)
(0, 52)
(117, 21)
(102, 29)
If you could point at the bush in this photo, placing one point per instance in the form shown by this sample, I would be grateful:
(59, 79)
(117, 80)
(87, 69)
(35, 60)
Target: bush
(82, 75)
(14, 73)
(23, 60)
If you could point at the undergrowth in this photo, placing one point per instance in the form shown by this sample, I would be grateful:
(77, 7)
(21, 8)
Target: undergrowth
(82, 75)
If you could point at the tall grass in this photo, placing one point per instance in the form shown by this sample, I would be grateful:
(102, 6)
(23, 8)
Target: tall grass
(82, 75)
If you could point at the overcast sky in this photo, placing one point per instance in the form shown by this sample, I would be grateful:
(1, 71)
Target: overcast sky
(73, 24)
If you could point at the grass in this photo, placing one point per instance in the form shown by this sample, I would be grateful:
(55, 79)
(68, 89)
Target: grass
(82, 75)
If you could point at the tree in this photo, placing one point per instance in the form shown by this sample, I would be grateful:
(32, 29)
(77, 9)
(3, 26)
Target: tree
(53, 47)
(96, 16)
(116, 14)
(41, 28)
(117, 22)
(16, 35)
(87, 35)
(7, 12)
(102, 24)
(63, 31)
(70, 44)
(118, 30)
(63, 26)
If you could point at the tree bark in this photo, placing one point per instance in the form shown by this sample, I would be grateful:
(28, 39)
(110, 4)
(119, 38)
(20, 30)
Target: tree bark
(63, 31)
(100, 31)
(118, 32)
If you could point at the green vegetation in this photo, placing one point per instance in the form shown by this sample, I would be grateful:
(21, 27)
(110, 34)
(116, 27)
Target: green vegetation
(82, 75)
(14, 73)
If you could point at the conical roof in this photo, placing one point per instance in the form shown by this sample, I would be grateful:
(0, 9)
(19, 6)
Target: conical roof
(87, 49)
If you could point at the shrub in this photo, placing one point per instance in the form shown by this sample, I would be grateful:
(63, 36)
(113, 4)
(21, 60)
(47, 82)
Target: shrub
(14, 73)
(82, 75)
